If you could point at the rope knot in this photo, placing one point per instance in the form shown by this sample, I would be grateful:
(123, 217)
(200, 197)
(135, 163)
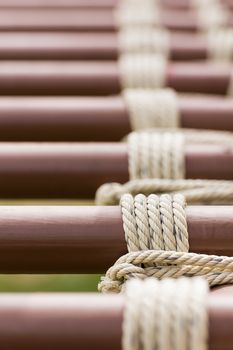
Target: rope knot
(157, 240)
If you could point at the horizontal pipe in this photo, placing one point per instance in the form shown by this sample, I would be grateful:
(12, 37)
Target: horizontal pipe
(102, 77)
(90, 321)
(90, 46)
(89, 239)
(97, 118)
(94, 4)
(71, 19)
(76, 170)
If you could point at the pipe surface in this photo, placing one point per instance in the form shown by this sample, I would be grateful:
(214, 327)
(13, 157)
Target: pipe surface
(89, 46)
(178, 4)
(76, 239)
(74, 19)
(76, 170)
(90, 321)
(102, 78)
(97, 118)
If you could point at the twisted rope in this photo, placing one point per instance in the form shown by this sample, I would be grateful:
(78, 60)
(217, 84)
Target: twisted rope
(195, 191)
(157, 239)
(144, 40)
(161, 154)
(162, 315)
(154, 155)
(142, 71)
(220, 45)
(152, 108)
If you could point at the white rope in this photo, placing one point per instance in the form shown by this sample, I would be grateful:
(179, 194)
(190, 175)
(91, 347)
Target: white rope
(157, 239)
(144, 40)
(206, 3)
(142, 71)
(156, 155)
(133, 13)
(212, 17)
(152, 108)
(165, 315)
(195, 191)
(155, 222)
(160, 154)
(220, 45)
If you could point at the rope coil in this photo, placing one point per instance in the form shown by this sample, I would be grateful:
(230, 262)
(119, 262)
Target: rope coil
(163, 315)
(157, 239)
(152, 108)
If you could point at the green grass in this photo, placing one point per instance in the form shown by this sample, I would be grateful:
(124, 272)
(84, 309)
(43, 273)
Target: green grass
(49, 283)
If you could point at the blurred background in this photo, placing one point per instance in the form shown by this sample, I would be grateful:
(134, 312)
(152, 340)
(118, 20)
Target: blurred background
(48, 283)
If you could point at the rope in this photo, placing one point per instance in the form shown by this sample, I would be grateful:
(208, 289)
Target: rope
(142, 71)
(133, 13)
(165, 315)
(144, 40)
(155, 222)
(161, 154)
(152, 108)
(195, 191)
(157, 239)
(212, 17)
(156, 155)
(220, 45)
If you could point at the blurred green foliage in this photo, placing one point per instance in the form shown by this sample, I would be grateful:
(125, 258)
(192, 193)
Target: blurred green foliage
(49, 283)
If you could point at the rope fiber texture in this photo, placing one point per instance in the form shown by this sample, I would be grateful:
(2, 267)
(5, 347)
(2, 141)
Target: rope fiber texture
(165, 315)
(157, 240)
(152, 108)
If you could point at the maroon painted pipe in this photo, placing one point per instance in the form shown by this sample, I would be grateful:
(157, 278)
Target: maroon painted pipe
(71, 19)
(93, 4)
(76, 239)
(77, 170)
(97, 118)
(89, 46)
(90, 321)
(101, 78)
